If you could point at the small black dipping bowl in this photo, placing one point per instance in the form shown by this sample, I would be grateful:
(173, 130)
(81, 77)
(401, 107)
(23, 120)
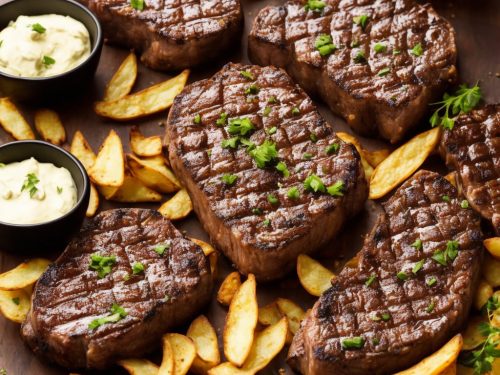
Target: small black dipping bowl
(53, 235)
(61, 86)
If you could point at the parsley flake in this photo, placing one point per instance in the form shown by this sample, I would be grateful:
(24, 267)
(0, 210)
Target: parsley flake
(30, 184)
(379, 47)
(36, 27)
(371, 279)
(418, 266)
(248, 75)
(281, 167)
(383, 72)
(417, 244)
(252, 90)
(337, 189)
(240, 126)
(333, 148)
(222, 120)
(464, 204)
(360, 57)
(402, 275)
(417, 50)
(47, 60)
(353, 343)
(102, 264)
(314, 183)
(361, 20)
(137, 268)
(161, 248)
(293, 193)
(264, 154)
(117, 314)
(431, 281)
(271, 198)
(229, 179)
(231, 142)
(314, 5)
(324, 45)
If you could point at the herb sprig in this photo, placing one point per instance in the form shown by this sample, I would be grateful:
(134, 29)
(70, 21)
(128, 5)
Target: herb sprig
(30, 184)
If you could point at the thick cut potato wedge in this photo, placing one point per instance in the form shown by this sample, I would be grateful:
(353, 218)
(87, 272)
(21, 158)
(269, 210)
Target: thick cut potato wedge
(133, 191)
(483, 293)
(346, 137)
(139, 366)
(207, 248)
(123, 80)
(207, 348)
(15, 304)
(49, 126)
(376, 157)
(144, 146)
(292, 311)
(493, 246)
(143, 103)
(269, 314)
(167, 362)
(24, 274)
(13, 122)
(436, 363)
(402, 163)
(228, 288)
(153, 173)
(93, 201)
(450, 370)
(313, 276)
(227, 368)
(491, 271)
(184, 352)
(109, 167)
(241, 321)
(177, 207)
(82, 150)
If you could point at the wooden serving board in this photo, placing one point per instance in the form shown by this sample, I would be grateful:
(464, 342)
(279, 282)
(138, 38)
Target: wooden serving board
(477, 23)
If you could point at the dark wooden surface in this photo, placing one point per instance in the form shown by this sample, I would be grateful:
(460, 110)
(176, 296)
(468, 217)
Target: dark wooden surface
(477, 23)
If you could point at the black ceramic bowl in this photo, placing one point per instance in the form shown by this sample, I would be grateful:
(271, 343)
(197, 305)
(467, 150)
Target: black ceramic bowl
(52, 235)
(60, 86)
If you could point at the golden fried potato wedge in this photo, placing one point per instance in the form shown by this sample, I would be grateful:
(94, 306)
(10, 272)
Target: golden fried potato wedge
(269, 314)
(24, 274)
(134, 191)
(143, 103)
(13, 122)
(493, 246)
(206, 247)
(348, 138)
(167, 362)
(483, 293)
(93, 201)
(109, 166)
(82, 150)
(313, 276)
(15, 304)
(402, 163)
(49, 126)
(228, 288)
(123, 80)
(491, 271)
(207, 348)
(153, 173)
(183, 350)
(144, 146)
(439, 361)
(227, 368)
(450, 370)
(241, 321)
(292, 311)
(177, 207)
(376, 157)
(139, 366)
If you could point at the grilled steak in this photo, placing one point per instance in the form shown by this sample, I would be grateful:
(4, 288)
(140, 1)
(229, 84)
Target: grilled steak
(171, 34)
(472, 147)
(410, 292)
(385, 62)
(71, 297)
(257, 159)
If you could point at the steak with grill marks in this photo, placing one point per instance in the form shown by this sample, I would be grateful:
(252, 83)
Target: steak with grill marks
(385, 62)
(410, 292)
(171, 34)
(262, 217)
(172, 288)
(472, 147)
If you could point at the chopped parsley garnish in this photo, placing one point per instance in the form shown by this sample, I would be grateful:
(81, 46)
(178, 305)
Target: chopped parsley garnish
(360, 57)
(355, 43)
(197, 119)
(30, 184)
(230, 143)
(449, 254)
(417, 50)
(222, 120)
(361, 20)
(314, 183)
(307, 156)
(445, 198)
(137, 268)
(272, 130)
(417, 244)
(430, 307)
(36, 27)
(402, 275)
(313, 137)
(463, 101)
(431, 281)
(293, 193)
(295, 111)
(264, 154)
(252, 90)
(248, 75)
(240, 126)
(386, 317)
(396, 52)
(330, 149)
(315, 5)
(247, 143)
(271, 198)
(371, 279)
(229, 179)
(47, 60)
(16, 300)
(117, 314)
(266, 222)
(256, 211)
(102, 264)
(375, 341)
(337, 189)
(281, 167)
(324, 45)
(59, 190)
(267, 111)
(353, 343)
(379, 47)
(161, 248)
(383, 72)
(418, 266)
(272, 100)
(464, 204)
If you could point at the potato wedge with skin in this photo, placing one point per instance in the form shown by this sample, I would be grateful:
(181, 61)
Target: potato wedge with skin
(13, 122)
(82, 150)
(439, 361)
(153, 173)
(491, 271)
(24, 274)
(483, 292)
(15, 304)
(183, 350)
(49, 126)
(109, 167)
(205, 341)
(228, 288)
(376, 157)
(167, 362)
(177, 207)
(123, 80)
(139, 366)
(241, 321)
(143, 103)
(134, 191)
(93, 201)
(313, 276)
(292, 311)
(144, 146)
(227, 368)
(206, 247)
(402, 163)
(348, 138)
(269, 314)
(450, 370)
(493, 246)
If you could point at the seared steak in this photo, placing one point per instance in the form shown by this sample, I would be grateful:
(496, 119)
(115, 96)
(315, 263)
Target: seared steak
(410, 292)
(71, 297)
(385, 62)
(472, 147)
(171, 34)
(257, 159)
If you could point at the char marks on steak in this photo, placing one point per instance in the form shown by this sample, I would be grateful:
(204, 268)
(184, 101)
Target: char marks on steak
(256, 220)
(69, 295)
(385, 90)
(171, 34)
(401, 321)
(472, 147)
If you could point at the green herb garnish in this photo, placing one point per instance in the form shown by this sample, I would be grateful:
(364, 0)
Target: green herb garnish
(197, 119)
(293, 193)
(16, 300)
(102, 264)
(137, 268)
(271, 198)
(401, 275)
(431, 281)
(314, 5)
(314, 183)
(30, 184)
(330, 149)
(295, 111)
(464, 204)
(430, 307)
(248, 75)
(240, 126)
(379, 47)
(266, 222)
(266, 111)
(324, 45)
(371, 279)
(117, 314)
(449, 254)
(272, 100)
(386, 317)
(252, 90)
(59, 190)
(337, 189)
(161, 248)
(137, 4)
(361, 20)
(383, 72)
(313, 137)
(229, 179)
(222, 120)
(418, 266)
(231, 142)
(353, 343)
(417, 50)
(264, 154)
(257, 211)
(47, 60)
(360, 57)
(272, 130)
(36, 27)
(307, 156)
(417, 244)
(445, 198)
(281, 167)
